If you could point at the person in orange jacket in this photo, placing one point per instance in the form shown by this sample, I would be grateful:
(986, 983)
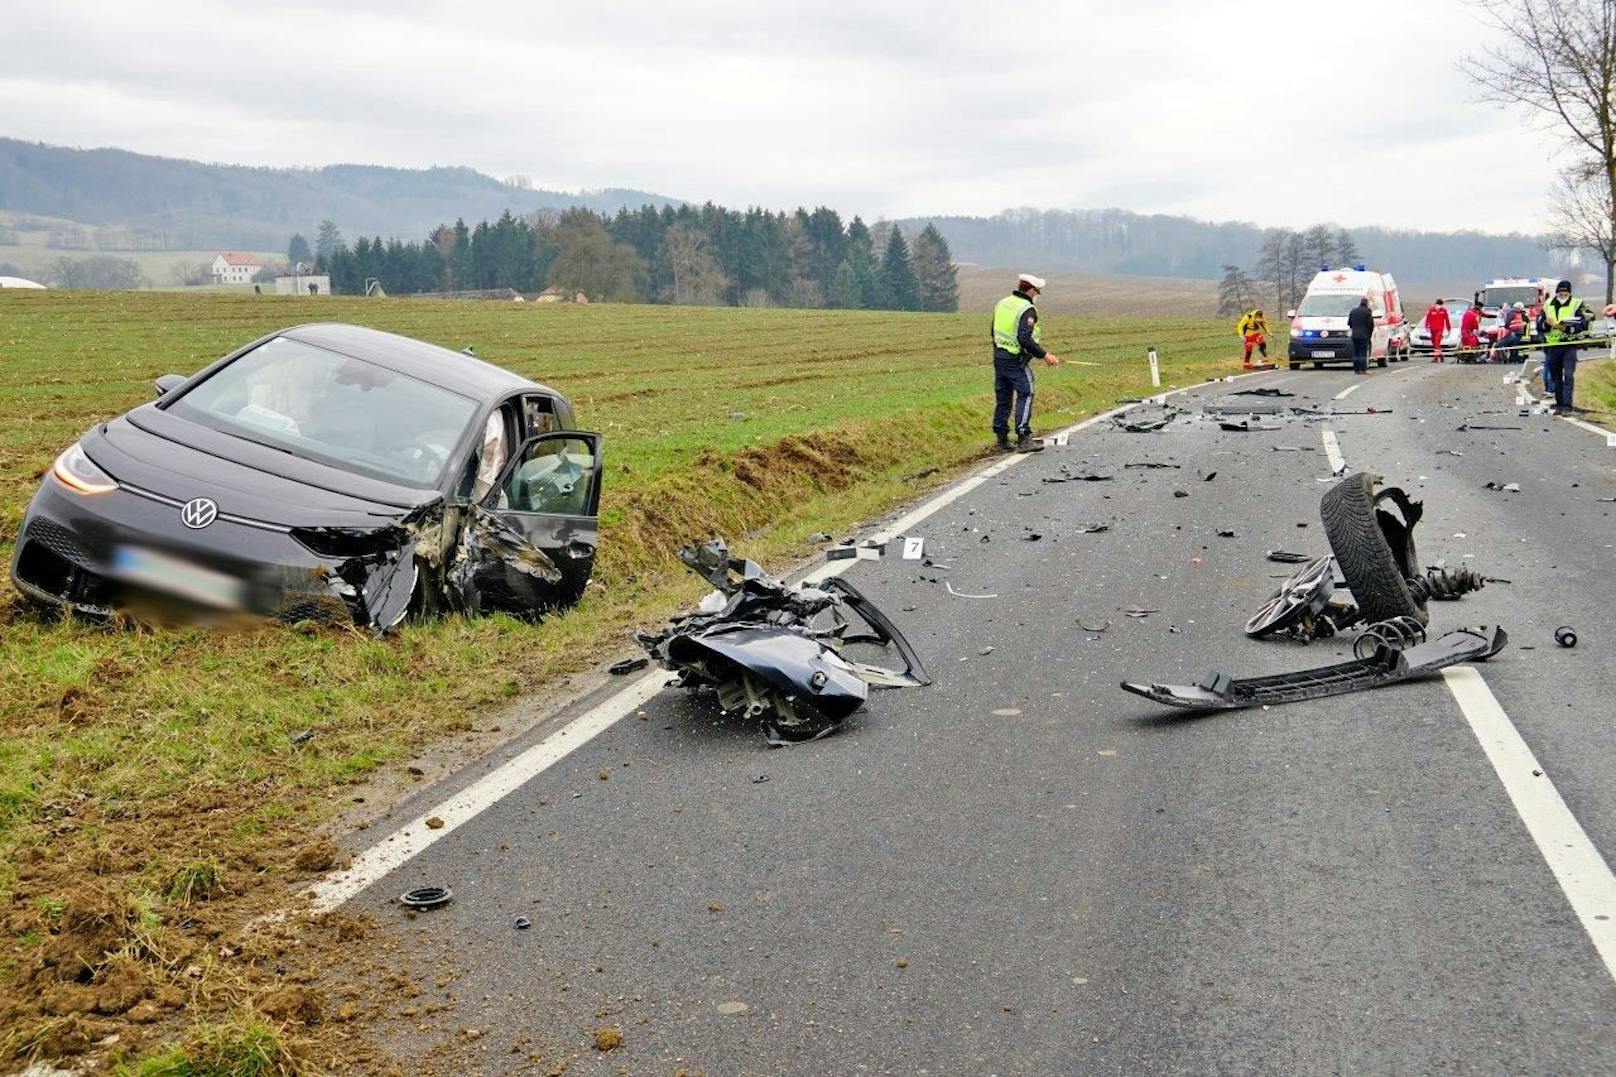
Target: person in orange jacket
(1437, 323)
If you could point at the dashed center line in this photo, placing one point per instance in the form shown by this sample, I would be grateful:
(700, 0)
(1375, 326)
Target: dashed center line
(1332, 449)
(1349, 390)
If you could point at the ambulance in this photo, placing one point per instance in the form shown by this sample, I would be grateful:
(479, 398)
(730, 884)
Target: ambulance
(1501, 292)
(1319, 324)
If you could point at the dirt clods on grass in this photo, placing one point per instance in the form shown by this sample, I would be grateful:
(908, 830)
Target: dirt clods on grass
(294, 1004)
(320, 855)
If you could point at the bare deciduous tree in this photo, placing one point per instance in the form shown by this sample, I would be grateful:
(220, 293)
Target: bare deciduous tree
(1558, 59)
(1585, 219)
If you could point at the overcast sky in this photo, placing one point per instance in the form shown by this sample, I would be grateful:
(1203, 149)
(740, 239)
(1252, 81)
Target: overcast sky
(1286, 113)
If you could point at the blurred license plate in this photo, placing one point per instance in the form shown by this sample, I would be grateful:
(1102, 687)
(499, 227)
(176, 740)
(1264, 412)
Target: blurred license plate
(175, 576)
(1324, 355)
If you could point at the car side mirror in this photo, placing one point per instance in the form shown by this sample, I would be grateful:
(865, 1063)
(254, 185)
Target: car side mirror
(168, 382)
(1291, 313)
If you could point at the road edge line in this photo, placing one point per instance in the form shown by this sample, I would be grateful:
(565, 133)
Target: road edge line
(1584, 876)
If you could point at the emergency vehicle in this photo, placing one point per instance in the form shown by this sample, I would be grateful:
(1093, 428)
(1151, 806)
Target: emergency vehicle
(1501, 292)
(1319, 325)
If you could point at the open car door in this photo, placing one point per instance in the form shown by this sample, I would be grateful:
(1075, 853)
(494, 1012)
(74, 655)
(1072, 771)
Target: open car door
(536, 528)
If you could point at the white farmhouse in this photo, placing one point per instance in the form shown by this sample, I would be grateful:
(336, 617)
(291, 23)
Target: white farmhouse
(233, 267)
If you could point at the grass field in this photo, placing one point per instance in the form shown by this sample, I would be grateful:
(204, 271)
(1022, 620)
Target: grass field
(152, 796)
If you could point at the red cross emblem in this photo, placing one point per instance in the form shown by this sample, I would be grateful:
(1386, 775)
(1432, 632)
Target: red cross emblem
(1339, 278)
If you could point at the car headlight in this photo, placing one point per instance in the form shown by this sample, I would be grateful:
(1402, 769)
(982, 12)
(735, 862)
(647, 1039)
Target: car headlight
(75, 470)
(1295, 333)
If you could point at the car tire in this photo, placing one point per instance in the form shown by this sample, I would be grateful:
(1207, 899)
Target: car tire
(1381, 362)
(1362, 535)
(1318, 366)
(1296, 366)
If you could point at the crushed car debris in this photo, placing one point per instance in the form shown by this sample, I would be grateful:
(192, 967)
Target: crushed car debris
(963, 594)
(1387, 665)
(775, 652)
(1286, 557)
(627, 666)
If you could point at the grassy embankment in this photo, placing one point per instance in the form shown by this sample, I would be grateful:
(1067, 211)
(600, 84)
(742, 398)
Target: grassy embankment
(151, 794)
(1596, 385)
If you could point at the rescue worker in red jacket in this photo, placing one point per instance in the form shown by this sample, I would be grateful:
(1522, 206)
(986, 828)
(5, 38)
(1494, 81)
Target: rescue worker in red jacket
(1437, 324)
(1470, 328)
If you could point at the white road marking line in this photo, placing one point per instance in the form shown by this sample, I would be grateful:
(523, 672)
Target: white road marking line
(1583, 875)
(1349, 390)
(414, 837)
(411, 839)
(1332, 449)
(1592, 428)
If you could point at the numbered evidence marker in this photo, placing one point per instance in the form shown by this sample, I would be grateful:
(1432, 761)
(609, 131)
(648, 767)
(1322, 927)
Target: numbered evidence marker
(914, 546)
(1058, 439)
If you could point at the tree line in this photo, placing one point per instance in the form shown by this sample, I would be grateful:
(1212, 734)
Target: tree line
(1285, 266)
(706, 255)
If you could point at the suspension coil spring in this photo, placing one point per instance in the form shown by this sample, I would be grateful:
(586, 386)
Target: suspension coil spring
(1395, 634)
(1446, 584)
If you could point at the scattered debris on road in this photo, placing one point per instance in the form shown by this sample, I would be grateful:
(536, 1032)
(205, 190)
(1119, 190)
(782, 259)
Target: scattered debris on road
(962, 594)
(627, 666)
(426, 897)
(1565, 636)
(1504, 487)
(1387, 665)
(1286, 557)
(1146, 424)
(774, 652)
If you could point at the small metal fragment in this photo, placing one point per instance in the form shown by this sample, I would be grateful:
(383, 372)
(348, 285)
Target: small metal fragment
(426, 897)
(1565, 636)
(627, 665)
(522, 923)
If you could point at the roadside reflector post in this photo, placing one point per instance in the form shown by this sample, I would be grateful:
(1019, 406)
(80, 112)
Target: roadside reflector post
(1155, 367)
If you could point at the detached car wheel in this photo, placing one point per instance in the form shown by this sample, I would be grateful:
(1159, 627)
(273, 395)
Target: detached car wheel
(1373, 546)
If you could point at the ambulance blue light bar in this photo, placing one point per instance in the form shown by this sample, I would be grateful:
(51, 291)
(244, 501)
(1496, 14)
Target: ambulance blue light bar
(1360, 267)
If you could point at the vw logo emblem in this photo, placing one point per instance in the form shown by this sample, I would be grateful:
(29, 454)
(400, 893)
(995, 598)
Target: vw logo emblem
(199, 512)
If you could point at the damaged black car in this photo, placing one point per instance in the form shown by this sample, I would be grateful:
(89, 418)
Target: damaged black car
(325, 472)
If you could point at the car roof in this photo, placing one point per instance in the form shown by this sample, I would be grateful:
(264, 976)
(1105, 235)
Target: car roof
(431, 363)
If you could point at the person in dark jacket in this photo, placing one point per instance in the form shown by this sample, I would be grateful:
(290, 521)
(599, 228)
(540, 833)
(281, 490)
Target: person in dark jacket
(1361, 328)
(1015, 346)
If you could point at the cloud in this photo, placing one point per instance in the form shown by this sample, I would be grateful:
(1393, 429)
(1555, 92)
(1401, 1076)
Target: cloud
(1283, 114)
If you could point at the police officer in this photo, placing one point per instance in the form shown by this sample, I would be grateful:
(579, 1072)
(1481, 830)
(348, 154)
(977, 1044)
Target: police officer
(1564, 317)
(1015, 346)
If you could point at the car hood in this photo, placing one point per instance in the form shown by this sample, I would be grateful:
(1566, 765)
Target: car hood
(160, 453)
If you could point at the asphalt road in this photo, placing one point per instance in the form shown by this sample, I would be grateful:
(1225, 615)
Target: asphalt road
(1022, 869)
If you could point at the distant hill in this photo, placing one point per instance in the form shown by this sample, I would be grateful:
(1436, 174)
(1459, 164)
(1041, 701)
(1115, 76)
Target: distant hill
(162, 203)
(1116, 241)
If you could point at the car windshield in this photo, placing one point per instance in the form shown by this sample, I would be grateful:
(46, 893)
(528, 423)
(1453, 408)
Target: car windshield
(1499, 297)
(335, 409)
(1327, 305)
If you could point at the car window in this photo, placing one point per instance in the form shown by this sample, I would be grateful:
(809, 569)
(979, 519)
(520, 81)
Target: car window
(1327, 305)
(335, 409)
(540, 415)
(554, 476)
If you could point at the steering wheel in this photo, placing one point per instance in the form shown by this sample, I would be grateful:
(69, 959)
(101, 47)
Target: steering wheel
(423, 458)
